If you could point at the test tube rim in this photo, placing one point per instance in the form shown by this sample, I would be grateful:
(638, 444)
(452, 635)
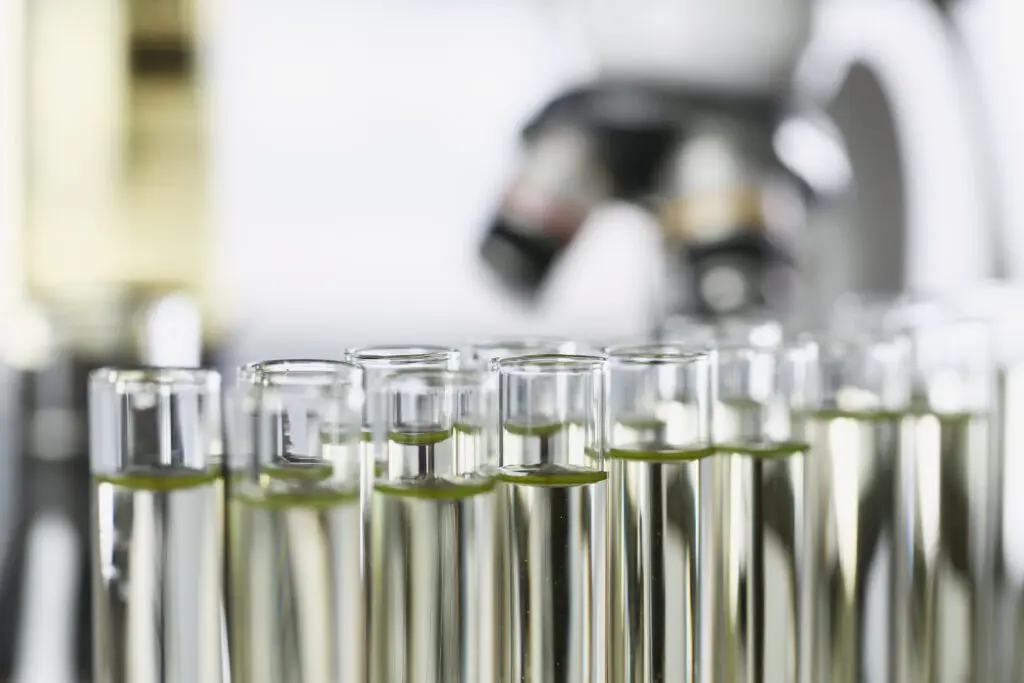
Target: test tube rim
(126, 379)
(550, 364)
(301, 372)
(602, 346)
(658, 354)
(401, 354)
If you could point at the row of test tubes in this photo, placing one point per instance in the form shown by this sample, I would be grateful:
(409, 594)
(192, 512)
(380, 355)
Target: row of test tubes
(730, 506)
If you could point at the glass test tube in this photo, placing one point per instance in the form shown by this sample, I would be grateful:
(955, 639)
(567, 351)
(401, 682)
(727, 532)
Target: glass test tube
(551, 493)
(659, 403)
(432, 533)
(483, 355)
(377, 362)
(1000, 304)
(946, 493)
(1010, 482)
(853, 419)
(753, 516)
(155, 456)
(295, 580)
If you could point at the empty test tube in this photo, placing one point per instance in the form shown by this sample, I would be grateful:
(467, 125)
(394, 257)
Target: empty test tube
(155, 456)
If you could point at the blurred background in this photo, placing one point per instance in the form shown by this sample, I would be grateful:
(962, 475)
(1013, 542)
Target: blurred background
(224, 180)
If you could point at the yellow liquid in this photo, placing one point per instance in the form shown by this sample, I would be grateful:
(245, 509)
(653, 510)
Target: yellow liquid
(158, 575)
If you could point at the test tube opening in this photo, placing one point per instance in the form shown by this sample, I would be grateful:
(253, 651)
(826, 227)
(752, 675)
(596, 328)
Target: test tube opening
(551, 411)
(855, 424)
(154, 420)
(551, 488)
(379, 361)
(862, 374)
(947, 485)
(433, 425)
(298, 489)
(432, 529)
(157, 524)
(659, 400)
(301, 421)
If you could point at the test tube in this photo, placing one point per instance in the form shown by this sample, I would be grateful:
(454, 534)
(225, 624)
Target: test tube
(551, 493)
(753, 504)
(483, 355)
(377, 362)
(659, 432)
(155, 457)
(946, 564)
(1010, 507)
(1001, 306)
(853, 416)
(296, 584)
(433, 509)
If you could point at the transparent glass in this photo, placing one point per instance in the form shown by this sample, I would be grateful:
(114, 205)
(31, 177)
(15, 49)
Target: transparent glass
(552, 412)
(949, 508)
(659, 397)
(865, 374)
(379, 361)
(432, 425)
(752, 512)
(757, 388)
(433, 533)
(853, 417)
(382, 359)
(299, 424)
(157, 527)
(483, 356)
(603, 347)
(551, 494)
(298, 600)
(1001, 305)
(954, 366)
(659, 415)
(153, 419)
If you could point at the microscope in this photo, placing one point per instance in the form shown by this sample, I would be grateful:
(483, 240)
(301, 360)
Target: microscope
(684, 118)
